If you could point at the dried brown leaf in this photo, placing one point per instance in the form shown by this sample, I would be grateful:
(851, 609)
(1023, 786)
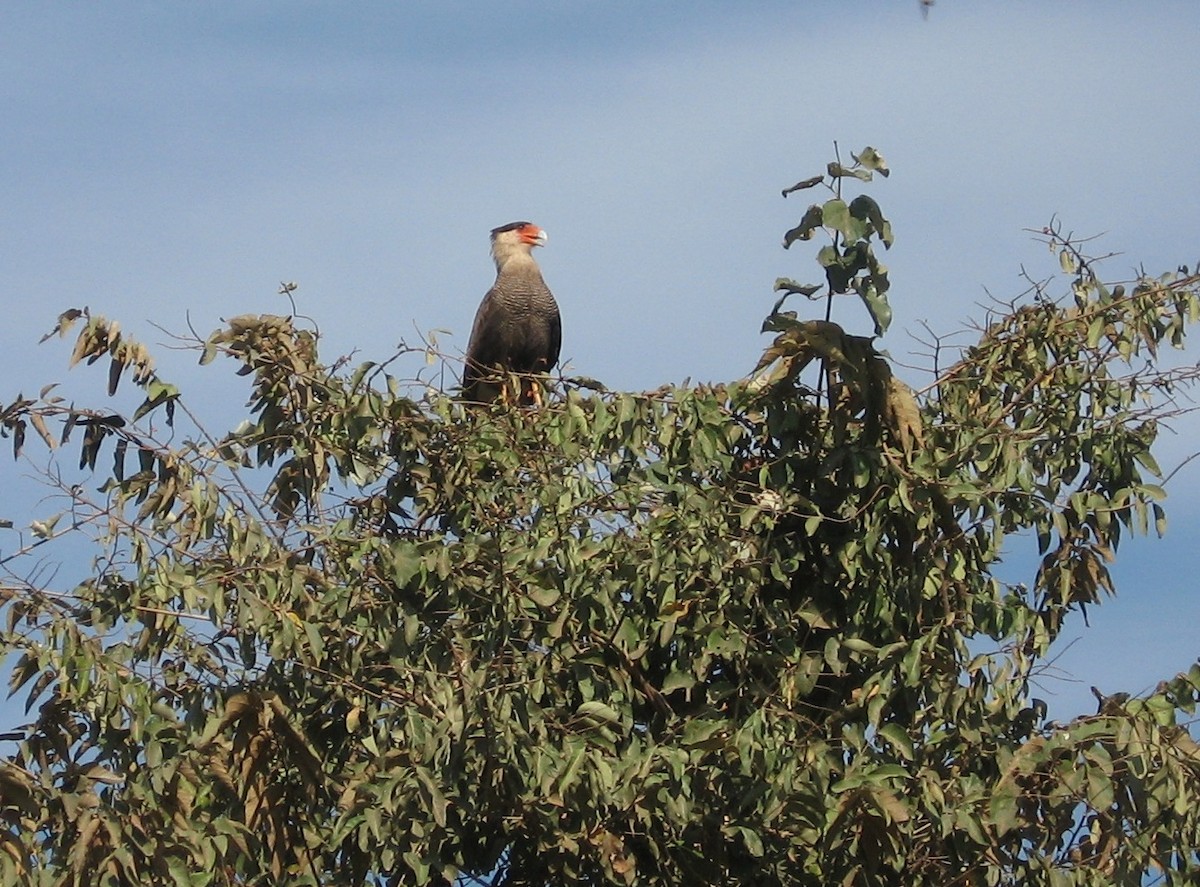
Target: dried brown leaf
(903, 416)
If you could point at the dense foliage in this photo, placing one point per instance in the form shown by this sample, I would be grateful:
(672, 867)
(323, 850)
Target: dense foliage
(743, 633)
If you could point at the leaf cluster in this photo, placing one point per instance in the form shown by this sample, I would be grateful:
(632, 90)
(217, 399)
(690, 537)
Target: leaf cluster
(728, 633)
(849, 259)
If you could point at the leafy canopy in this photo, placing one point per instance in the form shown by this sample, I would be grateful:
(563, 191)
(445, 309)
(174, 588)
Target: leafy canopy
(741, 633)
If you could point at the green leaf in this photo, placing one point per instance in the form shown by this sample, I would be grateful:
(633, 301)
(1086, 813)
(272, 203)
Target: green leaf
(865, 208)
(884, 772)
(437, 803)
(873, 160)
(406, 562)
(810, 222)
(699, 731)
(753, 842)
(837, 171)
(836, 215)
(157, 394)
(1002, 808)
(898, 737)
(544, 597)
(801, 186)
(599, 712)
(878, 307)
(789, 286)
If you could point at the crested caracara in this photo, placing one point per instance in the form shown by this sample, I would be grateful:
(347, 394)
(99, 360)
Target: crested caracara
(517, 327)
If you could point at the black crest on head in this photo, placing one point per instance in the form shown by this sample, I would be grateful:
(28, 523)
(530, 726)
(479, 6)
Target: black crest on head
(511, 226)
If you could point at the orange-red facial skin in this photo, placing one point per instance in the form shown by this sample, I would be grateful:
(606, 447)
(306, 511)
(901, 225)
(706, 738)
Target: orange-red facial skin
(530, 234)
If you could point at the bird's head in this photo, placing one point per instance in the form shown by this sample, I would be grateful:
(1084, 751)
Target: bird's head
(519, 233)
(514, 243)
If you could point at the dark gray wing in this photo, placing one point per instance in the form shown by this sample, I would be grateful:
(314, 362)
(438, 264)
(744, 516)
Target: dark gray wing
(555, 345)
(485, 349)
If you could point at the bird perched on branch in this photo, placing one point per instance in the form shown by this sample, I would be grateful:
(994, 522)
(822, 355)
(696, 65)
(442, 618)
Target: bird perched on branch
(517, 327)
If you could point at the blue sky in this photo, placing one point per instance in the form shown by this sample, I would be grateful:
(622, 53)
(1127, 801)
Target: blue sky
(173, 162)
